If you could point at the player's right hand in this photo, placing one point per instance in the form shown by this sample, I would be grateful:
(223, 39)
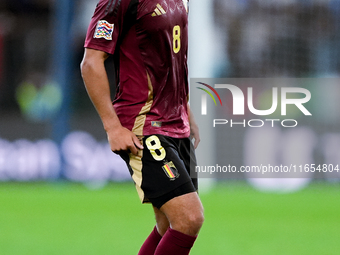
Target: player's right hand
(122, 139)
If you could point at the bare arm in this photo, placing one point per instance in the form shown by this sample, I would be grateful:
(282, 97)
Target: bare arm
(194, 131)
(97, 86)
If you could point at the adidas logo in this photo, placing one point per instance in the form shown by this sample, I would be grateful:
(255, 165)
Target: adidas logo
(158, 11)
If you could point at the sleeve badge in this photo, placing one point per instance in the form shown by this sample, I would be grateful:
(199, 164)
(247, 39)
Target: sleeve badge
(104, 30)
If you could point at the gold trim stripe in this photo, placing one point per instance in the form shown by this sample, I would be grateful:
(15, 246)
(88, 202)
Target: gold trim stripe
(136, 161)
(136, 165)
(140, 119)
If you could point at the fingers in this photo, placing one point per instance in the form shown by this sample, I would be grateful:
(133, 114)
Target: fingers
(137, 143)
(135, 146)
(132, 145)
(197, 141)
(128, 147)
(133, 149)
(196, 138)
(122, 139)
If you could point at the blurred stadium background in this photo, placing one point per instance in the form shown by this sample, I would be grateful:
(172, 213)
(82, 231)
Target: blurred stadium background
(63, 192)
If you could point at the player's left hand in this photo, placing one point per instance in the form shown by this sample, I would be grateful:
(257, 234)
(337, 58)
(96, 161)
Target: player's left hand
(194, 133)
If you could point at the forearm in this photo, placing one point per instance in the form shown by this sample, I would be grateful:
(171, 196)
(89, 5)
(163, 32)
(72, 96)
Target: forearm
(98, 89)
(191, 116)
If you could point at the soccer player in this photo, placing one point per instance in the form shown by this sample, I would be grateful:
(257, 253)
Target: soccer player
(149, 124)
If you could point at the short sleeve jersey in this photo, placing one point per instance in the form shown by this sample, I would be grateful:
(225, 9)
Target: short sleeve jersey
(149, 41)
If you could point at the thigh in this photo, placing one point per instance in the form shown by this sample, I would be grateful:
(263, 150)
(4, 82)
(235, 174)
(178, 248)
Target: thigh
(185, 213)
(182, 206)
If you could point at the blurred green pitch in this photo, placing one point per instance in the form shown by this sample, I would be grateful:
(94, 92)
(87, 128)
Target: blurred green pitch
(65, 218)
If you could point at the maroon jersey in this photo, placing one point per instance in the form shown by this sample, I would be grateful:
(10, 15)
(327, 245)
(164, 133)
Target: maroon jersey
(149, 41)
